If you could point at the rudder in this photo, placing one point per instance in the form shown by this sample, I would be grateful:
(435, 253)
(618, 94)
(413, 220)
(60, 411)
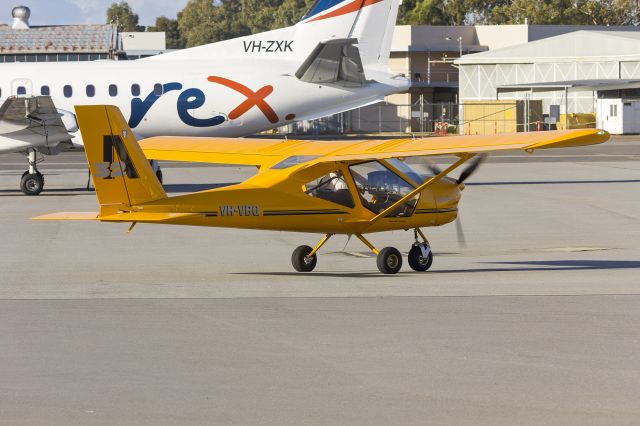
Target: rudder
(122, 175)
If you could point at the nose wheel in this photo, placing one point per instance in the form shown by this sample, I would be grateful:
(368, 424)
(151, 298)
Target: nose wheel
(32, 181)
(420, 254)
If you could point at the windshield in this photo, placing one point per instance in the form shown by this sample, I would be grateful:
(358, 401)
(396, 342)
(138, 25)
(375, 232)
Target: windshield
(379, 188)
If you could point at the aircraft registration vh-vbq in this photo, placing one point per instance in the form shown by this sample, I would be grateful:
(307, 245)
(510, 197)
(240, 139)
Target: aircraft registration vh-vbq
(328, 187)
(334, 60)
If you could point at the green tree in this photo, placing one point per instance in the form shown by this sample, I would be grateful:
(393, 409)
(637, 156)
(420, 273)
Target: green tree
(122, 14)
(171, 30)
(608, 12)
(202, 22)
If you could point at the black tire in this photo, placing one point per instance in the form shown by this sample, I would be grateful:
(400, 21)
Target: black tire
(301, 262)
(389, 260)
(32, 184)
(159, 175)
(417, 261)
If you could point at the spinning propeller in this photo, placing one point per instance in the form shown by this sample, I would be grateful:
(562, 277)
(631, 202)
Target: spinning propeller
(466, 174)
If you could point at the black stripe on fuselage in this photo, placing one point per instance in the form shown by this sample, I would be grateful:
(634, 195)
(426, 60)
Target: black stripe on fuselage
(300, 212)
(434, 211)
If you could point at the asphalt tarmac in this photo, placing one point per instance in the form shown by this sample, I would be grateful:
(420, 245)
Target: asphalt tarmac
(535, 321)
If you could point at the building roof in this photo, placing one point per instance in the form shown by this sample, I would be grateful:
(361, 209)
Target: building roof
(58, 39)
(573, 47)
(573, 86)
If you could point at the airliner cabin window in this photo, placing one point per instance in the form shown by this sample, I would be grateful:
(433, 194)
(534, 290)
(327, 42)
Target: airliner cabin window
(331, 187)
(135, 89)
(91, 90)
(157, 89)
(113, 90)
(22, 91)
(45, 91)
(68, 91)
(380, 188)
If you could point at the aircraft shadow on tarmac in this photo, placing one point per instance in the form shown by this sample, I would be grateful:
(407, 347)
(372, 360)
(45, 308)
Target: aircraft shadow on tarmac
(521, 266)
(553, 182)
(550, 265)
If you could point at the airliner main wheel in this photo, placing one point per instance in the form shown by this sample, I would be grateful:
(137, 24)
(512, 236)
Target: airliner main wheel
(418, 261)
(32, 183)
(389, 260)
(301, 260)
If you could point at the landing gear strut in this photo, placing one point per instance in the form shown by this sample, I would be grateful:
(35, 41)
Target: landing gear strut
(32, 182)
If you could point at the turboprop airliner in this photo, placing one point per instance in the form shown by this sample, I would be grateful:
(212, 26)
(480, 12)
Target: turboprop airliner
(333, 60)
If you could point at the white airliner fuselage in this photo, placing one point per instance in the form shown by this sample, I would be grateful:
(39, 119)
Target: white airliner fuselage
(192, 98)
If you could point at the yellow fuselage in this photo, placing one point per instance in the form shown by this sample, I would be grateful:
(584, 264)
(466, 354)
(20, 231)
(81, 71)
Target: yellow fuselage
(280, 203)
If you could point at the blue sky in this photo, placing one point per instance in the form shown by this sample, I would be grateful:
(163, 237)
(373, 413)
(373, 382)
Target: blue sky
(47, 12)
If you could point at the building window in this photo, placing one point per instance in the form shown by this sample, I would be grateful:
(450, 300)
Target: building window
(113, 90)
(91, 90)
(613, 110)
(94, 57)
(135, 89)
(52, 58)
(157, 89)
(68, 91)
(72, 58)
(45, 91)
(22, 91)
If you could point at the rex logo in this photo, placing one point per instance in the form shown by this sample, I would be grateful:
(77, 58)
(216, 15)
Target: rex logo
(253, 99)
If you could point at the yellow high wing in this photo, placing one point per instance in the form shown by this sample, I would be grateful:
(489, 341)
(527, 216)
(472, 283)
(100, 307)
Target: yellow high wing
(265, 153)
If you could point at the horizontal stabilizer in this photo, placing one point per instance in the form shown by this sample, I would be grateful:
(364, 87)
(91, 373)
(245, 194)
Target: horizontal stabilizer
(68, 216)
(334, 61)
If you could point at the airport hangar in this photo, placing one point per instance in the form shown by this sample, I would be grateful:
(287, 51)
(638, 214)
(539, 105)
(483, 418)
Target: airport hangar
(589, 73)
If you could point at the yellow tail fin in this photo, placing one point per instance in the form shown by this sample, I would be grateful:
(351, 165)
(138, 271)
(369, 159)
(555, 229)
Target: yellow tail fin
(122, 176)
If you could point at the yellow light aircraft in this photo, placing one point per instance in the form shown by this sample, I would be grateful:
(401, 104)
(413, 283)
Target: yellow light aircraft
(335, 187)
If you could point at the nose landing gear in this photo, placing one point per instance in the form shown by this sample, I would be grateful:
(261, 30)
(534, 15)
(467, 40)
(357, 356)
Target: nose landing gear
(420, 255)
(32, 181)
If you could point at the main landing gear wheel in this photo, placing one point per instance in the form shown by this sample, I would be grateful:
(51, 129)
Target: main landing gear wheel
(301, 260)
(32, 183)
(389, 260)
(417, 259)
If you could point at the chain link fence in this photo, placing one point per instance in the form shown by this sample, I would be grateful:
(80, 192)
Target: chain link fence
(426, 118)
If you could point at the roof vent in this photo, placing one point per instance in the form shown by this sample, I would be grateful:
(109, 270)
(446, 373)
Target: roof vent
(21, 16)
